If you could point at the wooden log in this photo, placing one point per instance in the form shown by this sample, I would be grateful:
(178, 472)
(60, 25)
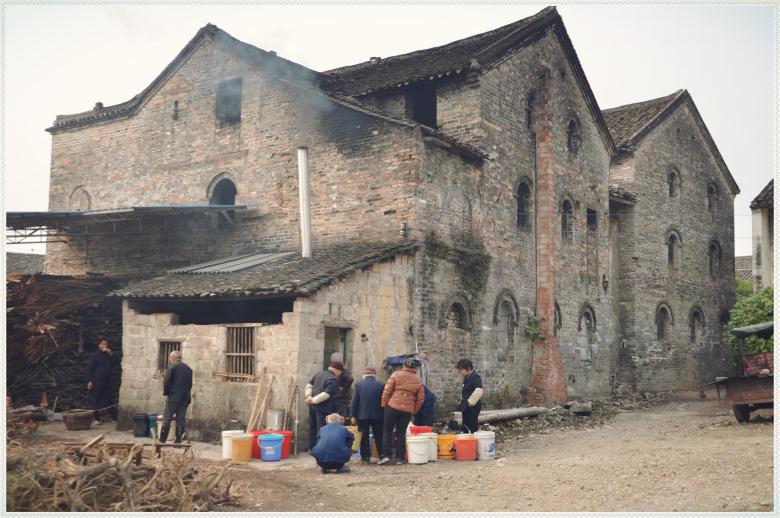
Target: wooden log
(265, 401)
(255, 402)
(492, 416)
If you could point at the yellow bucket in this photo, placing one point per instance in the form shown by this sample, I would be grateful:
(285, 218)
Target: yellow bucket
(446, 446)
(354, 430)
(241, 448)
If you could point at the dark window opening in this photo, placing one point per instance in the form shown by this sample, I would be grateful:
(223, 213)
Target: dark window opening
(255, 311)
(712, 198)
(558, 320)
(175, 110)
(567, 220)
(240, 354)
(573, 136)
(587, 334)
(593, 220)
(697, 326)
(229, 101)
(338, 340)
(714, 259)
(422, 98)
(166, 348)
(524, 206)
(224, 193)
(662, 324)
(673, 181)
(672, 250)
(456, 316)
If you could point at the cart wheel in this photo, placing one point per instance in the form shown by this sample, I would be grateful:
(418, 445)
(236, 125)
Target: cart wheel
(741, 412)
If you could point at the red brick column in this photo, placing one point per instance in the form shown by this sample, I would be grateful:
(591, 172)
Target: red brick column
(548, 381)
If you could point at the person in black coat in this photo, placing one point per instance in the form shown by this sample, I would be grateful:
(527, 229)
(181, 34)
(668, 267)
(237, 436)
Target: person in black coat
(319, 392)
(367, 409)
(99, 373)
(178, 387)
(471, 393)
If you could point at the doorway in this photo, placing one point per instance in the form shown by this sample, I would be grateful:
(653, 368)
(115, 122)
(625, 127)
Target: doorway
(338, 339)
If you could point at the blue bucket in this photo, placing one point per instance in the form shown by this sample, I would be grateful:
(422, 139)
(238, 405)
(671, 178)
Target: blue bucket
(271, 446)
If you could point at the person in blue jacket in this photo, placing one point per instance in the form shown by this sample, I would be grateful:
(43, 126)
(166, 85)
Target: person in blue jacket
(367, 409)
(425, 415)
(334, 445)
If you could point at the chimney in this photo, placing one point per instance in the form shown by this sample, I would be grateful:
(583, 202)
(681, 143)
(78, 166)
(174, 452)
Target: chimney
(303, 197)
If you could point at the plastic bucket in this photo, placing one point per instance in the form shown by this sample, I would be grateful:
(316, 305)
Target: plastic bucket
(433, 446)
(275, 419)
(171, 432)
(227, 443)
(417, 448)
(445, 444)
(417, 430)
(287, 443)
(374, 450)
(242, 447)
(466, 446)
(271, 446)
(153, 423)
(486, 445)
(140, 425)
(256, 442)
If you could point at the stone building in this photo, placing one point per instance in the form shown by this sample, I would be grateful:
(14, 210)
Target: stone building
(455, 201)
(762, 207)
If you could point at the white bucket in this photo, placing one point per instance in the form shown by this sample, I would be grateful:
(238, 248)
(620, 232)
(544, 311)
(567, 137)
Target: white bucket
(417, 447)
(433, 446)
(227, 442)
(171, 430)
(486, 445)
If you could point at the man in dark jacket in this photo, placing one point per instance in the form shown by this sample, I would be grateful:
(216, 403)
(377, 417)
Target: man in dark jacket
(318, 396)
(470, 395)
(424, 417)
(341, 398)
(99, 373)
(367, 409)
(178, 387)
(334, 445)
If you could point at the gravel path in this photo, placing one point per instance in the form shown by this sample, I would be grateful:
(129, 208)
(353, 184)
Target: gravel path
(685, 455)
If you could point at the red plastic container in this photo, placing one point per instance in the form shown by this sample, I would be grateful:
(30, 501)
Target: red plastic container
(287, 443)
(416, 430)
(256, 441)
(465, 447)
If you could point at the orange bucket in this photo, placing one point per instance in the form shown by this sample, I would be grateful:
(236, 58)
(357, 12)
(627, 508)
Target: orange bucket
(445, 443)
(466, 446)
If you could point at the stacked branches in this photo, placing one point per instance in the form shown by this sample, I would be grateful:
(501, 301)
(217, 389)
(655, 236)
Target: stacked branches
(70, 480)
(53, 324)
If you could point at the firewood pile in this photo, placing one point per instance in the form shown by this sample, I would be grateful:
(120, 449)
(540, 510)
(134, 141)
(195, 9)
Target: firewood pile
(72, 480)
(53, 324)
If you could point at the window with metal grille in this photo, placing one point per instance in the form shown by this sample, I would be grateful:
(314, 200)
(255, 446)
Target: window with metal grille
(166, 348)
(240, 354)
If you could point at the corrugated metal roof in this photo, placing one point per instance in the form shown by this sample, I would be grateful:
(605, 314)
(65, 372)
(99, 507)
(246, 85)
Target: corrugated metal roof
(232, 264)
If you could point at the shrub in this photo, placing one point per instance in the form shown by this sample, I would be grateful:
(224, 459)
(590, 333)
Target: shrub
(754, 309)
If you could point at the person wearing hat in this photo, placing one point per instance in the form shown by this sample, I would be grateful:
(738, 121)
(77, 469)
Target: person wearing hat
(402, 397)
(367, 409)
(341, 398)
(318, 394)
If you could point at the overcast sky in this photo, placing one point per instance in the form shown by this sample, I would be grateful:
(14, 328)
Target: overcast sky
(61, 59)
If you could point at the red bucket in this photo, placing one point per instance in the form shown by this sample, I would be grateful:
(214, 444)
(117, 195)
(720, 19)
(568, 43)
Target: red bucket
(466, 447)
(256, 441)
(417, 430)
(287, 443)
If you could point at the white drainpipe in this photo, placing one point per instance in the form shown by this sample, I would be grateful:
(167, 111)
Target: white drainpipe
(303, 197)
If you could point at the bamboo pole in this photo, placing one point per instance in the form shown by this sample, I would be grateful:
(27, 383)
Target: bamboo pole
(254, 404)
(265, 401)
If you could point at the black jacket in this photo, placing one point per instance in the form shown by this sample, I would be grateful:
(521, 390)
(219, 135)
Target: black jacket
(470, 383)
(99, 366)
(367, 402)
(344, 387)
(324, 381)
(178, 382)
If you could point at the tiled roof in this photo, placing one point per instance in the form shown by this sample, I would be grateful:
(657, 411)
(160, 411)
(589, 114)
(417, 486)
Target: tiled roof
(626, 122)
(285, 274)
(452, 58)
(743, 268)
(766, 198)
(18, 264)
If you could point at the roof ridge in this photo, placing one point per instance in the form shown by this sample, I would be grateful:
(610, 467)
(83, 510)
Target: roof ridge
(671, 98)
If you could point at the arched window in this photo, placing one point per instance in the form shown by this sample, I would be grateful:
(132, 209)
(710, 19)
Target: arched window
(587, 331)
(224, 193)
(673, 250)
(558, 320)
(79, 199)
(573, 136)
(673, 182)
(663, 319)
(523, 206)
(714, 259)
(506, 325)
(696, 325)
(456, 316)
(713, 197)
(567, 220)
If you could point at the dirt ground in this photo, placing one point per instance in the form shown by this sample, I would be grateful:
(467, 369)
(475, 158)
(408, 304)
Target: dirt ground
(683, 455)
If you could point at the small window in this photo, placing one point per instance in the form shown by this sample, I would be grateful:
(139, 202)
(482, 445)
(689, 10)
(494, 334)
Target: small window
(224, 193)
(229, 101)
(166, 348)
(662, 324)
(506, 325)
(697, 326)
(573, 136)
(422, 98)
(587, 332)
(593, 221)
(567, 220)
(240, 354)
(456, 316)
(524, 206)
(713, 197)
(558, 320)
(673, 183)
(714, 259)
(175, 110)
(673, 252)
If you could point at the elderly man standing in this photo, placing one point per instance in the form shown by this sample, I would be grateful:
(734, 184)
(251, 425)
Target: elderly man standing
(177, 386)
(318, 396)
(367, 409)
(99, 372)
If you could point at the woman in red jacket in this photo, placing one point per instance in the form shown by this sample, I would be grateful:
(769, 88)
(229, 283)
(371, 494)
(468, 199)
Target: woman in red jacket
(403, 396)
